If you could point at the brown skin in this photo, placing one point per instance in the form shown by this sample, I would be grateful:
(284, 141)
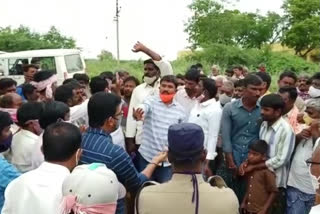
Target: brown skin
(165, 88)
(302, 84)
(251, 94)
(286, 81)
(195, 168)
(238, 92)
(181, 82)
(16, 100)
(11, 89)
(128, 89)
(237, 72)
(214, 71)
(6, 132)
(316, 83)
(34, 96)
(28, 76)
(289, 103)
(191, 88)
(72, 162)
(226, 90)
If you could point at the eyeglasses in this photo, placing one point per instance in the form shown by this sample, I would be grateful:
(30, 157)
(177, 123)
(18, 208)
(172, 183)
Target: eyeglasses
(309, 162)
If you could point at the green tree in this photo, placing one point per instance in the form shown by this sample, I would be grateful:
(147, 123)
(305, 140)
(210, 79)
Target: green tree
(213, 24)
(23, 38)
(303, 25)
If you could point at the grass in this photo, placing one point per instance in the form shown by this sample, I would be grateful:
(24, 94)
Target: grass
(135, 67)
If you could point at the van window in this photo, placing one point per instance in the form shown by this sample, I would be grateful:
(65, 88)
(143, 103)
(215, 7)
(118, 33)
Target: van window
(16, 65)
(45, 63)
(73, 63)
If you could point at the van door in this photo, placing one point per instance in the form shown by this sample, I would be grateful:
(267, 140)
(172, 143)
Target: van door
(74, 64)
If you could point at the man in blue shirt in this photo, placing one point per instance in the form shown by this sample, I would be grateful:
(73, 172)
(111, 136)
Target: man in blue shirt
(7, 171)
(104, 111)
(240, 127)
(28, 73)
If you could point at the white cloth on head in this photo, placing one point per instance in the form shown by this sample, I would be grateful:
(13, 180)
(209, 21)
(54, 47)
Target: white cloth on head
(38, 191)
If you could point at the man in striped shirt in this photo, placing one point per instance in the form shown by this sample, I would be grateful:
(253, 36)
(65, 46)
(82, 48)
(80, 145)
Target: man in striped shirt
(104, 111)
(159, 112)
(281, 140)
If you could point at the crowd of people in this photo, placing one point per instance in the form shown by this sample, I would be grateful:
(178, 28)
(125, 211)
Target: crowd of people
(189, 143)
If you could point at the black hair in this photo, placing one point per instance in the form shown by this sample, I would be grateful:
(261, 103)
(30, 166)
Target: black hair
(28, 89)
(102, 106)
(259, 146)
(193, 75)
(239, 83)
(7, 83)
(52, 112)
(265, 77)
(29, 111)
(229, 70)
(252, 79)
(42, 75)
(82, 77)
(290, 74)
(64, 93)
(28, 66)
(170, 78)
(107, 75)
(132, 78)
(274, 101)
(199, 65)
(292, 91)
(180, 76)
(210, 86)
(66, 81)
(5, 120)
(6, 101)
(150, 61)
(60, 141)
(316, 76)
(98, 84)
(238, 67)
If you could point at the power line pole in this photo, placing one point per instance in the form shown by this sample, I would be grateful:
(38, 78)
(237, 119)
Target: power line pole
(116, 19)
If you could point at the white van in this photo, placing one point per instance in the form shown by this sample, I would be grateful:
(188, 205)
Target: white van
(63, 62)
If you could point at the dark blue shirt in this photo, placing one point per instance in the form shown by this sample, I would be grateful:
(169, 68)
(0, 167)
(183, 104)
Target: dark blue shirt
(97, 147)
(239, 128)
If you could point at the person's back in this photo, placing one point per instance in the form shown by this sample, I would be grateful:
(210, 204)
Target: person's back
(40, 191)
(187, 192)
(176, 195)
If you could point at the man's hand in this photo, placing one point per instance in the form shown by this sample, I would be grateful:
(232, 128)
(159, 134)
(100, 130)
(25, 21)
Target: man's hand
(230, 163)
(130, 145)
(243, 207)
(116, 88)
(161, 157)
(139, 47)
(242, 168)
(83, 129)
(207, 170)
(138, 114)
(304, 134)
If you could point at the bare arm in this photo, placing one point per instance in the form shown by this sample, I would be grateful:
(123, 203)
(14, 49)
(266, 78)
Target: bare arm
(141, 47)
(162, 156)
(268, 204)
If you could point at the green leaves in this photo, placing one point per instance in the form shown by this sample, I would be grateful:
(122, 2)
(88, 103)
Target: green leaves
(22, 38)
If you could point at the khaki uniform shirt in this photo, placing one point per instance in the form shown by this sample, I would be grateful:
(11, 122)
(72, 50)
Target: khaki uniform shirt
(175, 197)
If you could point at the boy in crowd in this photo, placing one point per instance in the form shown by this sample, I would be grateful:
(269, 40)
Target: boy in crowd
(238, 89)
(261, 188)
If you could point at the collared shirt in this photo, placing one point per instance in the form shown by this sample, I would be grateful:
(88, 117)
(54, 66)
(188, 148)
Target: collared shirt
(185, 101)
(118, 137)
(261, 183)
(175, 196)
(97, 147)
(24, 143)
(164, 66)
(281, 140)
(292, 118)
(299, 176)
(208, 115)
(38, 191)
(157, 119)
(79, 114)
(240, 128)
(139, 94)
(8, 172)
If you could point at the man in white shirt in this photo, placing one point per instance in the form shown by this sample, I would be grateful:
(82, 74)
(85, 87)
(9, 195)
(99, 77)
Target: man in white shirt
(154, 68)
(40, 191)
(207, 114)
(188, 96)
(300, 192)
(25, 141)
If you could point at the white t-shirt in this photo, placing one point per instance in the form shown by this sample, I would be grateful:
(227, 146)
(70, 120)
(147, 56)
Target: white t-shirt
(299, 176)
(315, 210)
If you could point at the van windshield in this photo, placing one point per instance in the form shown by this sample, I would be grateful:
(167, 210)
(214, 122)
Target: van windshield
(73, 63)
(45, 63)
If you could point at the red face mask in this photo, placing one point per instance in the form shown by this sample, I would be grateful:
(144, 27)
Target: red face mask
(166, 98)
